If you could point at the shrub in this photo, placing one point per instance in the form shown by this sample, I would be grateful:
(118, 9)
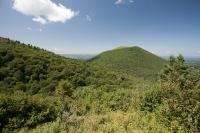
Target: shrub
(20, 110)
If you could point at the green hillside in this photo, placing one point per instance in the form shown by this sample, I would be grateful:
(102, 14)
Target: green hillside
(41, 92)
(36, 70)
(35, 83)
(132, 60)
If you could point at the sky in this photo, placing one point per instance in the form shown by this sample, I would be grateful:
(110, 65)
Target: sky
(164, 27)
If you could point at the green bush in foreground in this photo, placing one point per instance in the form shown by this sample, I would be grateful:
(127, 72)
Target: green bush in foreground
(110, 122)
(177, 102)
(19, 110)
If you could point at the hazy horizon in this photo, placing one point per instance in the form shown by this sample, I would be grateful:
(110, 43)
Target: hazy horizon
(167, 27)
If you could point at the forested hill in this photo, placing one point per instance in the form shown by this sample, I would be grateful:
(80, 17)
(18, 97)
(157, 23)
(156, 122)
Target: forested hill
(41, 92)
(132, 60)
(35, 70)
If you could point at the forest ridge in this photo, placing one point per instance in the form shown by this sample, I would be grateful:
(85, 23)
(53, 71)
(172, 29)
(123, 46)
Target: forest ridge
(122, 90)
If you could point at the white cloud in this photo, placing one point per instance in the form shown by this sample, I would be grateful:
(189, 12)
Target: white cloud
(119, 2)
(88, 18)
(198, 52)
(44, 11)
(40, 20)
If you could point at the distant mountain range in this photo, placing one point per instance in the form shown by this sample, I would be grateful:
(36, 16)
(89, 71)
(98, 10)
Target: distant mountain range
(79, 56)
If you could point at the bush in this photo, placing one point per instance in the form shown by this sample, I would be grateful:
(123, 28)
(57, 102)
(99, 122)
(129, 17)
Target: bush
(20, 110)
(178, 99)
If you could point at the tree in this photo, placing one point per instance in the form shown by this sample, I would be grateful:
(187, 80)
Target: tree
(64, 88)
(19, 75)
(1, 61)
(180, 89)
(175, 72)
(9, 56)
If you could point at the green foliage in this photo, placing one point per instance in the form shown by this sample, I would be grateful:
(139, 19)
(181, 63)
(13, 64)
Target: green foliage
(64, 88)
(100, 100)
(151, 99)
(132, 60)
(51, 87)
(178, 97)
(20, 110)
(34, 70)
(117, 121)
(44, 92)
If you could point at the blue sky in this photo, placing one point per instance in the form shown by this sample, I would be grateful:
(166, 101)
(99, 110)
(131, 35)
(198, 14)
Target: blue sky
(163, 27)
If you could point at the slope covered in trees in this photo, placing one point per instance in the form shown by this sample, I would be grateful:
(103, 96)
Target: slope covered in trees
(34, 70)
(35, 83)
(43, 92)
(132, 60)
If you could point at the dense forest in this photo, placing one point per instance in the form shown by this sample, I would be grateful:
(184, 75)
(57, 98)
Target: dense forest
(132, 60)
(43, 92)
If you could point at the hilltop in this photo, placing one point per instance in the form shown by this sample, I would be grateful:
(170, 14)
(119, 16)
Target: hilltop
(44, 92)
(37, 86)
(132, 60)
(35, 70)
(121, 47)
